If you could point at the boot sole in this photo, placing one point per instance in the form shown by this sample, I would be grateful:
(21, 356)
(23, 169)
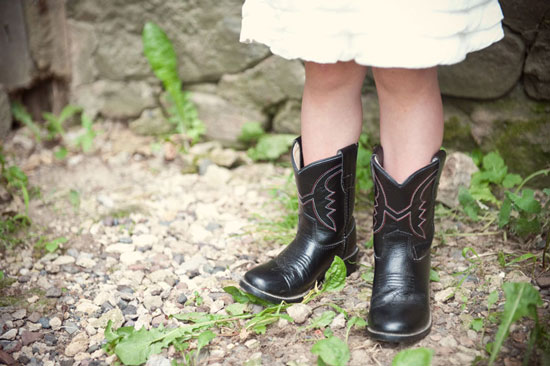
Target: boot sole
(399, 337)
(351, 266)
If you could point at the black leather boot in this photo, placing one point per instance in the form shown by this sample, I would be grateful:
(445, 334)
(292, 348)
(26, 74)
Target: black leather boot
(403, 232)
(326, 228)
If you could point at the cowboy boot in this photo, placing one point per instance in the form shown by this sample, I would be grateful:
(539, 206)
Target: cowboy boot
(403, 233)
(326, 228)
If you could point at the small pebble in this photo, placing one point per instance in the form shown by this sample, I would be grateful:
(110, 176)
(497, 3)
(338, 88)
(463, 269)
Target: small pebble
(53, 292)
(45, 322)
(182, 299)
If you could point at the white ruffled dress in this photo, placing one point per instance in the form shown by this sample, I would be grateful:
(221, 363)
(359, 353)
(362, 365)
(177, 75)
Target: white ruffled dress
(382, 33)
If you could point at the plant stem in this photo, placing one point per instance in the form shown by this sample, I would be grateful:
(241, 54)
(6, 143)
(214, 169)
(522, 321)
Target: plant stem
(535, 174)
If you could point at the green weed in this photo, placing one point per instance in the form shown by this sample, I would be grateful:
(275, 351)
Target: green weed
(134, 347)
(160, 53)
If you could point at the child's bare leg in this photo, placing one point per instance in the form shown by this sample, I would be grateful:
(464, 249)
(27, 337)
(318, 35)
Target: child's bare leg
(331, 108)
(411, 118)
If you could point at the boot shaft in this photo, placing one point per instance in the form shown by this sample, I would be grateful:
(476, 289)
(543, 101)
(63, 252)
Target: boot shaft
(326, 193)
(408, 207)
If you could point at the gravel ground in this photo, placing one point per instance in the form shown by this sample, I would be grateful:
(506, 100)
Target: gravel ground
(145, 236)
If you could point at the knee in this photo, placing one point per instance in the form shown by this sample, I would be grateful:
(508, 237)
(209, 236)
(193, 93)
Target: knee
(329, 77)
(396, 81)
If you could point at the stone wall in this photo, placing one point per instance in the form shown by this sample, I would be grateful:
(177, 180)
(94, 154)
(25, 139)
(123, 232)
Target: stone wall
(496, 98)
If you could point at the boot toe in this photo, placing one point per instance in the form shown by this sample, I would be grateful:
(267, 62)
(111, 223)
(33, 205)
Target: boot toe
(266, 282)
(399, 322)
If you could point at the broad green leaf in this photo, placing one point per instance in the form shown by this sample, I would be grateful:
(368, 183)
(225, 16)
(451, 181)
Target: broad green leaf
(523, 226)
(477, 324)
(243, 297)
(251, 131)
(483, 193)
(469, 204)
(526, 202)
(413, 357)
(60, 153)
(546, 191)
(492, 299)
(322, 320)
(204, 338)
(511, 180)
(504, 213)
(522, 258)
(522, 300)
(477, 157)
(333, 351)
(52, 246)
(271, 146)
(161, 56)
(335, 277)
(356, 321)
(20, 114)
(368, 276)
(434, 276)
(235, 309)
(495, 168)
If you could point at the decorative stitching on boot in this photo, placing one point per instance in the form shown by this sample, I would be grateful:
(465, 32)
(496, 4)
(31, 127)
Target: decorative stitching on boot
(310, 197)
(399, 215)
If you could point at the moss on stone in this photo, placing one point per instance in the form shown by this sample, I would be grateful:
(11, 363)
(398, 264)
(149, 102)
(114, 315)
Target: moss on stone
(458, 135)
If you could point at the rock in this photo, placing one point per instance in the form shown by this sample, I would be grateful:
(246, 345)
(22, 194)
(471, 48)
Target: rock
(87, 307)
(83, 44)
(444, 295)
(537, 65)
(288, 117)
(524, 16)
(216, 176)
(53, 292)
(114, 99)
(50, 339)
(338, 322)
(19, 314)
(227, 158)
(70, 327)
(544, 281)
(182, 299)
(151, 122)
(30, 337)
(114, 315)
(272, 81)
(457, 172)
(129, 310)
(144, 240)
(448, 341)
(130, 258)
(9, 335)
(486, 74)
(78, 344)
(63, 260)
(5, 358)
(299, 312)
(86, 262)
(5, 113)
(120, 248)
(158, 360)
(224, 119)
(34, 317)
(152, 302)
(45, 322)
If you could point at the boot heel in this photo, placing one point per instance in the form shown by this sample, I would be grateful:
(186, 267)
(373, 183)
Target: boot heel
(351, 263)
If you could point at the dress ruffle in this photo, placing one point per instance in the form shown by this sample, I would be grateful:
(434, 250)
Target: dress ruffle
(411, 34)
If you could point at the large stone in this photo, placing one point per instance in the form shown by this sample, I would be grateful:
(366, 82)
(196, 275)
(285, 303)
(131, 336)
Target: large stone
(457, 172)
(272, 81)
(5, 113)
(287, 119)
(524, 16)
(537, 65)
(518, 128)
(151, 122)
(16, 65)
(458, 128)
(83, 44)
(78, 344)
(223, 119)
(486, 74)
(119, 55)
(205, 35)
(114, 99)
